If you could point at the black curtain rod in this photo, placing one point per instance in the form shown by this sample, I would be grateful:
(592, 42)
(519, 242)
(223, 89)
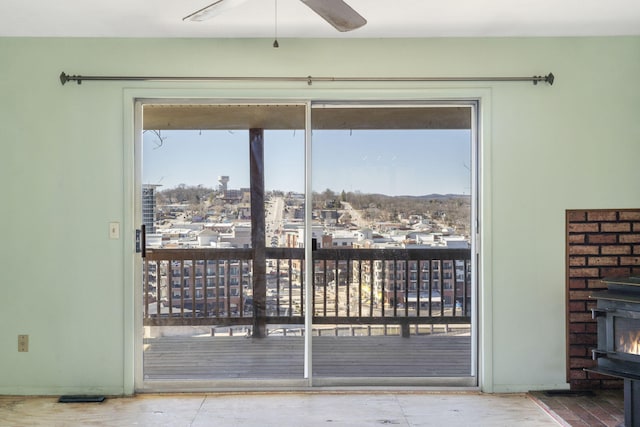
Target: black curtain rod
(64, 78)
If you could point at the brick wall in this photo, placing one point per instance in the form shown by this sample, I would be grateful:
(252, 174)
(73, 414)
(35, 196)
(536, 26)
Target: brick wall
(600, 243)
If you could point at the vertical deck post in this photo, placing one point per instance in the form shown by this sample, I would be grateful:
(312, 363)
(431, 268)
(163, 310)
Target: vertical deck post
(256, 154)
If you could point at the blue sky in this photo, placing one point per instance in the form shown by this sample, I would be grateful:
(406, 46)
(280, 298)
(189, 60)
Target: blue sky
(392, 162)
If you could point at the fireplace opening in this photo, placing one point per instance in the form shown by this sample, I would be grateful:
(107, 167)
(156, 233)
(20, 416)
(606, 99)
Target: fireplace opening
(618, 352)
(627, 335)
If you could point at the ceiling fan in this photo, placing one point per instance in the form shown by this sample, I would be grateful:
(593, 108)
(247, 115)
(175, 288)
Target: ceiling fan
(335, 12)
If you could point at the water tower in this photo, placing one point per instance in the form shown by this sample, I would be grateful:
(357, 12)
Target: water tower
(223, 180)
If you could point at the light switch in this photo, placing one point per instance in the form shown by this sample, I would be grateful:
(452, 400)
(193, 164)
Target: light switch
(114, 230)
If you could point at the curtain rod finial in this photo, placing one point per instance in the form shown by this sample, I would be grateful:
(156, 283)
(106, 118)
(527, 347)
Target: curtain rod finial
(550, 78)
(64, 78)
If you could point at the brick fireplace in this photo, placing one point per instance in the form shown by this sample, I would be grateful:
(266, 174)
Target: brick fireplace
(600, 243)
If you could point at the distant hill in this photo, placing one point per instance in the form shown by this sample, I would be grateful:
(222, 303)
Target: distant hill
(454, 209)
(439, 196)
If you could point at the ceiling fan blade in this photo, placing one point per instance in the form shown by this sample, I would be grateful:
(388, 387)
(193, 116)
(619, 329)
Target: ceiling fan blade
(337, 13)
(212, 10)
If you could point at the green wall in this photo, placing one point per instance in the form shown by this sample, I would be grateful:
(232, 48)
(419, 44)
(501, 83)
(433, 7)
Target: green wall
(66, 169)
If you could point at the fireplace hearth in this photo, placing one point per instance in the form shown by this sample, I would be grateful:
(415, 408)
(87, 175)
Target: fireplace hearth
(618, 351)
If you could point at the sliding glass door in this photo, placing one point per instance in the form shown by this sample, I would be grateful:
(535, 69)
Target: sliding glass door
(307, 244)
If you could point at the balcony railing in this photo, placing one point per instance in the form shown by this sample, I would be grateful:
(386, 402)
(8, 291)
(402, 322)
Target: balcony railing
(350, 287)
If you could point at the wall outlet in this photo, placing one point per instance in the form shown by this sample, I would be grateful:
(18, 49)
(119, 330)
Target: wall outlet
(23, 343)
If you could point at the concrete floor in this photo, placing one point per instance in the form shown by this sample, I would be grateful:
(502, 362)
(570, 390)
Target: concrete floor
(281, 410)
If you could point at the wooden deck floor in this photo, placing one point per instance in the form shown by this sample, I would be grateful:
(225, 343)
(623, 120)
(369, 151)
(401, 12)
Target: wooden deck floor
(278, 357)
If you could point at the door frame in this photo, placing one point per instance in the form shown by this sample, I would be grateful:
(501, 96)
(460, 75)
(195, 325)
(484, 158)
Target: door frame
(482, 318)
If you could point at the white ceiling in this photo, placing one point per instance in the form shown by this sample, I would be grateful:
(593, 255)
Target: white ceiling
(256, 18)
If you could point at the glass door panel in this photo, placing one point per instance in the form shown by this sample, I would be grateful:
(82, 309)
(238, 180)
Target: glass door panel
(392, 200)
(284, 204)
(222, 278)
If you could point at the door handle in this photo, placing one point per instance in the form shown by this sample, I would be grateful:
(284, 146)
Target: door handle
(144, 240)
(141, 241)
